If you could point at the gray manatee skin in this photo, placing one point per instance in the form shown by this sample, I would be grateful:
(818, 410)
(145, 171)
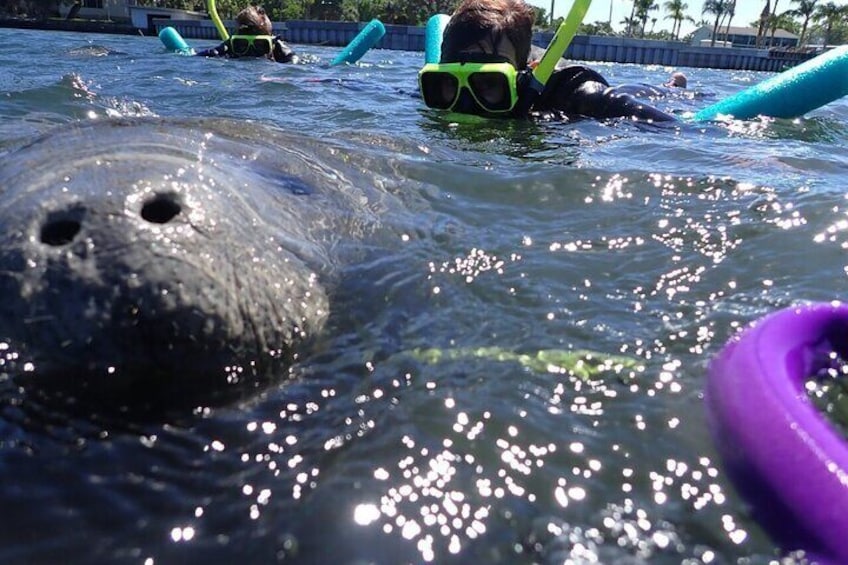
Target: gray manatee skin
(171, 251)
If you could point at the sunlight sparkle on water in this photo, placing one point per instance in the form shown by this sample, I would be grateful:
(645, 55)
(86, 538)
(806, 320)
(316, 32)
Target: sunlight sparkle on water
(365, 514)
(179, 534)
(471, 266)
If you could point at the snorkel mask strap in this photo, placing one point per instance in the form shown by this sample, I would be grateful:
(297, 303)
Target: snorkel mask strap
(526, 94)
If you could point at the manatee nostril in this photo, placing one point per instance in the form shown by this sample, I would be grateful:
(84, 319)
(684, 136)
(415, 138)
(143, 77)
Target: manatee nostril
(61, 228)
(161, 209)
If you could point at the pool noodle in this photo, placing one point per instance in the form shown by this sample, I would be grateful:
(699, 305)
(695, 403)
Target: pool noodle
(433, 37)
(556, 49)
(782, 453)
(790, 94)
(364, 40)
(560, 42)
(174, 41)
(216, 19)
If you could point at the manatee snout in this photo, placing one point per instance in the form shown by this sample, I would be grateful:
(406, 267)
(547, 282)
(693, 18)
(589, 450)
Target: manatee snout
(152, 261)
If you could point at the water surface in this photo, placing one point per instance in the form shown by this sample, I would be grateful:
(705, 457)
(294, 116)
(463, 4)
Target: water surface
(648, 242)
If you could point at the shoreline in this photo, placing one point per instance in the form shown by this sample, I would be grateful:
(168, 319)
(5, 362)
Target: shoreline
(585, 48)
(59, 24)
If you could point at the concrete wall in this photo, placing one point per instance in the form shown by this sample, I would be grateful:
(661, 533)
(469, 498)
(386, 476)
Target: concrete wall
(679, 54)
(582, 48)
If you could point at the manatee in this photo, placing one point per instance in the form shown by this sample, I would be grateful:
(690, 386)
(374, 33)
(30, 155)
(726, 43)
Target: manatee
(150, 252)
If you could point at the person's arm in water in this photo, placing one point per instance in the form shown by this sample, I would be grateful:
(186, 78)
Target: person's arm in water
(579, 90)
(217, 51)
(600, 101)
(282, 52)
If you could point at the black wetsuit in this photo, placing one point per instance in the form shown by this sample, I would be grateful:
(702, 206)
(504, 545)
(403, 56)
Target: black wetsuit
(282, 53)
(580, 91)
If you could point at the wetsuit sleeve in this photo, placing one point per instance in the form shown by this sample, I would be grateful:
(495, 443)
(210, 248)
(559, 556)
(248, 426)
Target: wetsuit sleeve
(599, 101)
(578, 90)
(282, 52)
(219, 51)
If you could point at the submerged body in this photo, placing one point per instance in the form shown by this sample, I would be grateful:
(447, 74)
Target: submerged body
(170, 251)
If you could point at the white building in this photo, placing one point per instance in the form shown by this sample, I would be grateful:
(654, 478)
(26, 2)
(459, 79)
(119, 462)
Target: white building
(744, 37)
(141, 17)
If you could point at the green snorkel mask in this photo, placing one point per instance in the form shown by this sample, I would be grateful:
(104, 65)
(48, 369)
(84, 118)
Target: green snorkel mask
(251, 45)
(493, 86)
(497, 88)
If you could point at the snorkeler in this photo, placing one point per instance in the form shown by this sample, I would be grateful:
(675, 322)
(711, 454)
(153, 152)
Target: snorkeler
(674, 86)
(253, 39)
(486, 57)
(676, 80)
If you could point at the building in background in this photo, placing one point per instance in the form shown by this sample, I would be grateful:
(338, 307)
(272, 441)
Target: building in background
(743, 37)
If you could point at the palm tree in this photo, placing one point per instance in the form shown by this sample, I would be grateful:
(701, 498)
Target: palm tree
(642, 9)
(715, 7)
(773, 23)
(805, 10)
(676, 9)
(781, 21)
(764, 18)
(629, 25)
(830, 14)
(730, 11)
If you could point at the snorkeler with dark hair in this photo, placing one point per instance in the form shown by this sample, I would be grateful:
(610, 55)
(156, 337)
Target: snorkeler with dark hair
(486, 58)
(253, 39)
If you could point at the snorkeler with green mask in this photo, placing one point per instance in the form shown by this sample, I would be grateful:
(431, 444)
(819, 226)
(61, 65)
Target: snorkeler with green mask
(485, 69)
(253, 39)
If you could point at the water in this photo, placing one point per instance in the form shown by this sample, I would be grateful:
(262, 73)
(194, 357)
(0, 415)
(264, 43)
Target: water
(652, 243)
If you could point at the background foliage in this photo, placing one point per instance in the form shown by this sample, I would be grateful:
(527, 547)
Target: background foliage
(816, 21)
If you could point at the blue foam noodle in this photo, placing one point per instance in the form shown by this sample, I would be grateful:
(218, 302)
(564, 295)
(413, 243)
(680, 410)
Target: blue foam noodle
(364, 40)
(173, 41)
(790, 94)
(433, 37)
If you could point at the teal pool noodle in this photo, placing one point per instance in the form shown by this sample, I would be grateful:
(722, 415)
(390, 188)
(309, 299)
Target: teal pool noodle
(174, 41)
(433, 37)
(792, 93)
(364, 40)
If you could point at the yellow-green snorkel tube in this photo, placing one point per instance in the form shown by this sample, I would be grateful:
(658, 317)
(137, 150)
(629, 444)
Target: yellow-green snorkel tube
(216, 19)
(556, 49)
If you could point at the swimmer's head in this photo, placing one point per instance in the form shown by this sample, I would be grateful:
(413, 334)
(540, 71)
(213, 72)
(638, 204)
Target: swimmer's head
(253, 21)
(677, 80)
(482, 29)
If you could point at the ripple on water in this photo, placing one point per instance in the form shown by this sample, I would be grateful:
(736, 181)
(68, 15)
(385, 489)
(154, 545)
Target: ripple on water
(650, 243)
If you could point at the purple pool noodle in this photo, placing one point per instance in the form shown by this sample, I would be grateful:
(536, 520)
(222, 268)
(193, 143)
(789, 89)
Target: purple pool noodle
(783, 455)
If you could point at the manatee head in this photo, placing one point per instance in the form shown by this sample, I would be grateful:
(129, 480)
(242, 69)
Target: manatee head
(142, 254)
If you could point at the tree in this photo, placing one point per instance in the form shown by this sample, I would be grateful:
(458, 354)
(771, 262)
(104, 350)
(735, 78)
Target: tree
(763, 23)
(541, 17)
(629, 24)
(773, 23)
(729, 11)
(805, 10)
(717, 8)
(676, 9)
(781, 21)
(642, 9)
(831, 16)
(597, 28)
